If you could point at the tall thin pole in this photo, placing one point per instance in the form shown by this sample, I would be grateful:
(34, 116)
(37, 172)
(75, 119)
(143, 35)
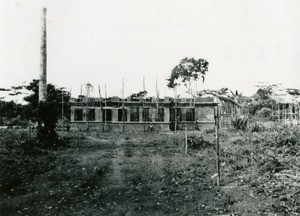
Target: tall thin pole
(144, 111)
(186, 143)
(43, 61)
(157, 92)
(278, 114)
(298, 105)
(123, 105)
(217, 143)
(101, 107)
(62, 109)
(105, 109)
(175, 98)
(285, 114)
(298, 113)
(87, 106)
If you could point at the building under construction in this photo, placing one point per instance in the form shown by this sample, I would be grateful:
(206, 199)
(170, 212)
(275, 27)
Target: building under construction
(114, 114)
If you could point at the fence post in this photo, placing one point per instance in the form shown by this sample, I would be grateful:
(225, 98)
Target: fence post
(217, 126)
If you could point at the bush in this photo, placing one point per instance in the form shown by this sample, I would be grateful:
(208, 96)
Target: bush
(264, 112)
(240, 123)
(198, 142)
(256, 127)
(287, 136)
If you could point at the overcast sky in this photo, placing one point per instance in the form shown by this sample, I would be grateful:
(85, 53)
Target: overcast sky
(245, 42)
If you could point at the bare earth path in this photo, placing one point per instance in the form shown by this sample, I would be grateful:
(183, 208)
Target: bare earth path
(128, 174)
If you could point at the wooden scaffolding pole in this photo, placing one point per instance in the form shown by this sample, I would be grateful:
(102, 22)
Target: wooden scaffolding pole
(278, 114)
(123, 106)
(144, 113)
(175, 111)
(285, 122)
(62, 110)
(298, 113)
(105, 105)
(101, 107)
(217, 126)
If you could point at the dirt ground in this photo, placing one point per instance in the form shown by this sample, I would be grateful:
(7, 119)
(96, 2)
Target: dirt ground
(129, 174)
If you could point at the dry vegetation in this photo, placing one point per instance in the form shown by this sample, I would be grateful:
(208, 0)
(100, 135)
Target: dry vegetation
(149, 174)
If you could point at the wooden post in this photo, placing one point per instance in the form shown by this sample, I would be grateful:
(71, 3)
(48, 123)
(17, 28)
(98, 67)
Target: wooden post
(123, 106)
(29, 131)
(87, 113)
(62, 109)
(285, 122)
(252, 166)
(217, 143)
(278, 114)
(298, 113)
(175, 111)
(144, 113)
(101, 108)
(105, 105)
(186, 143)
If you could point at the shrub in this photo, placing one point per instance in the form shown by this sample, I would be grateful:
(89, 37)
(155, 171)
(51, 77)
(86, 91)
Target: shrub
(264, 112)
(240, 123)
(287, 136)
(198, 142)
(256, 127)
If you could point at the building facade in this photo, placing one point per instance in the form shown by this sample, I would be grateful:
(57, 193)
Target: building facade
(116, 115)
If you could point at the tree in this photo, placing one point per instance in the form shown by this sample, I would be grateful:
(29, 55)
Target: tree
(54, 96)
(188, 70)
(11, 114)
(46, 113)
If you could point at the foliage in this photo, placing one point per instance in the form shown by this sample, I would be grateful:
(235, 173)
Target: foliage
(11, 114)
(187, 70)
(256, 127)
(287, 136)
(294, 91)
(264, 112)
(138, 95)
(254, 106)
(198, 142)
(54, 97)
(240, 123)
(46, 113)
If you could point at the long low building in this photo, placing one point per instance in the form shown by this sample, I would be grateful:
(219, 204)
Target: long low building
(117, 115)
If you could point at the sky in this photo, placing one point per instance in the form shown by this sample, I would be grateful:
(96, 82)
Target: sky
(104, 41)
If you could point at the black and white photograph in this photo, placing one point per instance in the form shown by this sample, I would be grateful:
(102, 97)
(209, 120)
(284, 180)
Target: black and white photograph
(150, 107)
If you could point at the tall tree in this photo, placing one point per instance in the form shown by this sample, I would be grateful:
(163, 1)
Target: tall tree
(188, 70)
(54, 95)
(48, 112)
